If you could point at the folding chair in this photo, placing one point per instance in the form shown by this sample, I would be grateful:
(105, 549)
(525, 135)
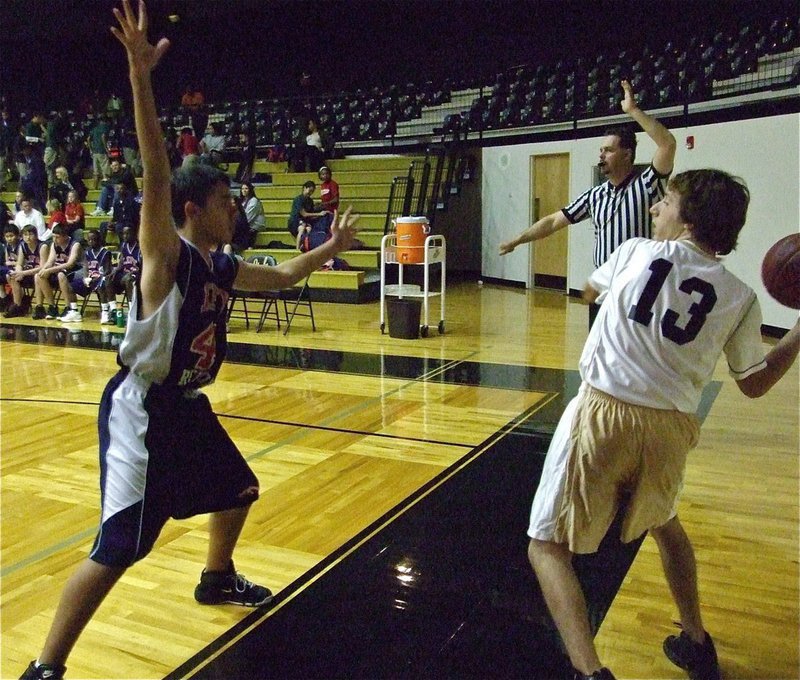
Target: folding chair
(298, 297)
(269, 298)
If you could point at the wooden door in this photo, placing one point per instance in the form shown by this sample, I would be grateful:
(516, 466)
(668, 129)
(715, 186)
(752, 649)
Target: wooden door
(549, 193)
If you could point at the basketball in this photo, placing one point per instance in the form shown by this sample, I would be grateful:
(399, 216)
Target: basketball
(780, 271)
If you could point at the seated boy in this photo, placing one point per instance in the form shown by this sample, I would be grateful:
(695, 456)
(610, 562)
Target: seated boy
(32, 255)
(8, 263)
(97, 265)
(62, 264)
(124, 275)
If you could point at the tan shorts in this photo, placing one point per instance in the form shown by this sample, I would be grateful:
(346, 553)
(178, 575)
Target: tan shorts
(604, 449)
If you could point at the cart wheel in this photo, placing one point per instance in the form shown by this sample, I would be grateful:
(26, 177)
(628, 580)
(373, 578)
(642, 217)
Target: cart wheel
(441, 327)
(423, 331)
(383, 326)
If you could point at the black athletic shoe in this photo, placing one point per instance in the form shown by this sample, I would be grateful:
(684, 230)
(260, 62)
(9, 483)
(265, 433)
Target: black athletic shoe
(699, 661)
(602, 674)
(230, 587)
(52, 312)
(43, 671)
(38, 312)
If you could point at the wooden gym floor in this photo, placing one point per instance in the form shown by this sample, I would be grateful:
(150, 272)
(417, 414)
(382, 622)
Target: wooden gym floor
(396, 479)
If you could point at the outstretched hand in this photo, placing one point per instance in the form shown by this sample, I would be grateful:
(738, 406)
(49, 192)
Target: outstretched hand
(628, 102)
(343, 231)
(506, 248)
(132, 33)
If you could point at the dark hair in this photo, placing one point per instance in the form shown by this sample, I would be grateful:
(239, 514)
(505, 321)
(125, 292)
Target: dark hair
(30, 228)
(309, 185)
(194, 183)
(715, 204)
(627, 138)
(250, 186)
(11, 229)
(57, 230)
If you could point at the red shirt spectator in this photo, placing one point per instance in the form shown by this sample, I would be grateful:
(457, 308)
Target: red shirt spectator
(188, 144)
(329, 190)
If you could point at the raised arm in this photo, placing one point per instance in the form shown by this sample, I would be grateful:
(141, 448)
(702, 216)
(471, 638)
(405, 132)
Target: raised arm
(258, 277)
(664, 157)
(540, 229)
(158, 239)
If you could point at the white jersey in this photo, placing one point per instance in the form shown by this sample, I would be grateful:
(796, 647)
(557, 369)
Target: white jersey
(668, 312)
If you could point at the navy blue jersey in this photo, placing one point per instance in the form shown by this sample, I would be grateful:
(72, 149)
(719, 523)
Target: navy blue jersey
(97, 262)
(183, 343)
(10, 254)
(31, 258)
(130, 258)
(62, 254)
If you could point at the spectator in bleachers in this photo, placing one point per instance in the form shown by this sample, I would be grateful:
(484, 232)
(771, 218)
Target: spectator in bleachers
(98, 141)
(188, 146)
(78, 161)
(328, 191)
(212, 145)
(193, 102)
(54, 145)
(28, 215)
(171, 142)
(97, 266)
(124, 214)
(35, 181)
(114, 107)
(303, 213)
(130, 147)
(35, 132)
(17, 145)
(6, 216)
(61, 185)
(32, 256)
(247, 159)
(62, 265)
(73, 211)
(9, 255)
(243, 236)
(118, 174)
(6, 141)
(308, 154)
(55, 214)
(253, 207)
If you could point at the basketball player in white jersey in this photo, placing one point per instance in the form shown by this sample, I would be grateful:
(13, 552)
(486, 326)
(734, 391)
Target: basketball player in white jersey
(669, 309)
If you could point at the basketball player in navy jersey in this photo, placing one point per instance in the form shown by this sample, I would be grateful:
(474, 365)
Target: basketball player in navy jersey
(33, 253)
(10, 253)
(124, 276)
(163, 452)
(63, 263)
(669, 310)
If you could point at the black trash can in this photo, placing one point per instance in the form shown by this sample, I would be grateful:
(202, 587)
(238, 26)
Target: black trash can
(403, 316)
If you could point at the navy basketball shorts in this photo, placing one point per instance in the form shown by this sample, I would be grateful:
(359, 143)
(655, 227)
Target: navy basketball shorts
(163, 454)
(80, 287)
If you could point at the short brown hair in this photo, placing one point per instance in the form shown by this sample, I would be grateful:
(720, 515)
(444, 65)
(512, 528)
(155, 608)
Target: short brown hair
(715, 204)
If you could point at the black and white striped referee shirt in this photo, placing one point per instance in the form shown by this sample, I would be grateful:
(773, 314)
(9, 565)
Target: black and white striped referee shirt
(618, 213)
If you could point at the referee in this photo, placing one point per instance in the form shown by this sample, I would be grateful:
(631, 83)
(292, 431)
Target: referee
(619, 207)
